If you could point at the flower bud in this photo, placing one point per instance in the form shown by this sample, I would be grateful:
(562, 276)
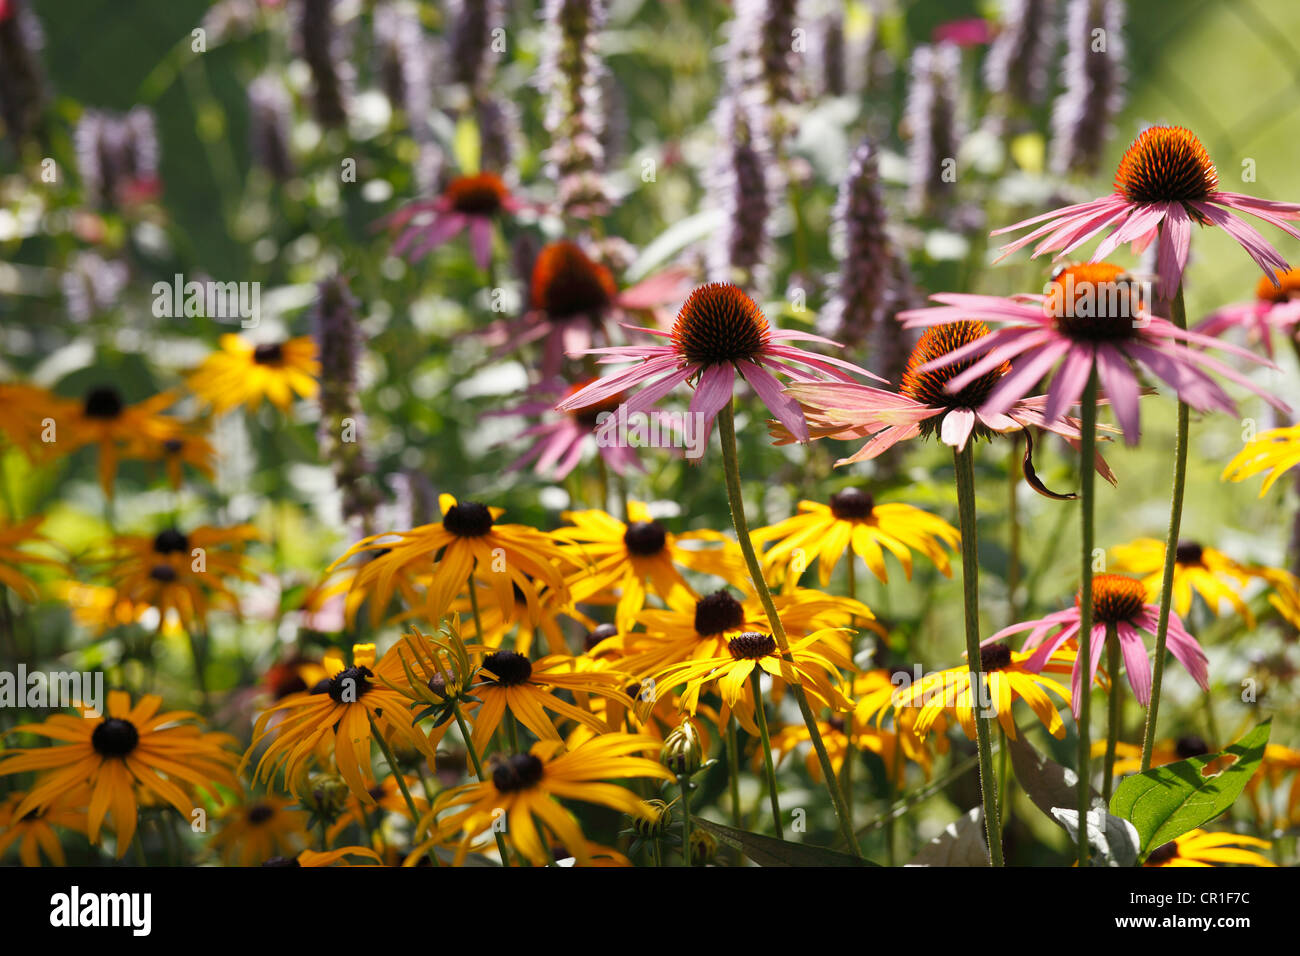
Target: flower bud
(682, 752)
(704, 847)
(659, 816)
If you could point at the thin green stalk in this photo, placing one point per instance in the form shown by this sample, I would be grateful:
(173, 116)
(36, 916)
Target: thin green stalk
(964, 461)
(731, 472)
(1113, 717)
(1013, 529)
(1179, 318)
(478, 770)
(684, 787)
(1087, 484)
(401, 781)
(760, 713)
(846, 775)
(1003, 793)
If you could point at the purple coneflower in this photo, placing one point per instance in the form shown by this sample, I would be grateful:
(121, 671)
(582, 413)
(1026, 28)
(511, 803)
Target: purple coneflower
(719, 331)
(1276, 307)
(1112, 333)
(467, 203)
(1166, 181)
(561, 440)
(1117, 601)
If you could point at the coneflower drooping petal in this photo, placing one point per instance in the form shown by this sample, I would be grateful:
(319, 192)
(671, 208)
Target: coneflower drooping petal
(22, 83)
(1017, 60)
(338, 340)
(117, 155)
(269, 126)
(571, 75)
(742, 189)
(473, 28)
(402, 64)
(321, 41)
(1093, 77)
(932, 124)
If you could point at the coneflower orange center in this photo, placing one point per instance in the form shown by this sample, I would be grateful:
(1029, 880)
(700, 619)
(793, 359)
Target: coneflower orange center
(589, 415)
(510, 667)
(1166, 164)
(719, 323)
(929, 388)
(478, 195)
(115, 737)
(1287, 288)
(645, 539)
(1094, 301)
(566, 283)
(717, 612)
(852, 504)
(517, 772)
(104, 402)
(751, 645)
(468, 519)
(1116, 598)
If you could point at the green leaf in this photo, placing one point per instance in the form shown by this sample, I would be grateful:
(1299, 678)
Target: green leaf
(672, 240)
(1168, 801)
(769, 851)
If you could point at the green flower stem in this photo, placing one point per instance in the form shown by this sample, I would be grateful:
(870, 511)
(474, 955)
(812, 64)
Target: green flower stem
(1087, 484)
(965, 466)
(731, 472)
(846, 775)
(1013, 529)
(401, 781)
(1113, 718)
(478, 771)
(684, 787)
(760, 714)
(1179, 318)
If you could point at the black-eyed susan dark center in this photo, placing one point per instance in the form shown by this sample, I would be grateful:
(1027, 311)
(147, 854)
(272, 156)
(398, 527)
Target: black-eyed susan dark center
(468, 519)
(163, 573)
(589, 415)
(282, 861)
(269, 353)
(717, 612)
(1116, 598)
(1191, 745)
(1166, 164)
(566, 283)
(171, 541)
(479, 195)
(645, 539)
(719, 323)
(994, 657)
(852, 504)
(1190, 553)
(1094, 301)
(1163, 853)
(115, 737)
(752, 645)
(350, 684)
(930, 388)
(510, 667)
(260, 813)
(103, 402)
(602, 633)
(518, 772)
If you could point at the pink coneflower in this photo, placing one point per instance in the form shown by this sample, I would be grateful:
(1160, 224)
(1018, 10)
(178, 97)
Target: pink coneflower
(1165, 179)
(971, 31)
(719, 331)
(467, 203)
(1276, 306)
(571, 298)
(924, 406)
(1120, 601)
(561, 440)
(1114, 331)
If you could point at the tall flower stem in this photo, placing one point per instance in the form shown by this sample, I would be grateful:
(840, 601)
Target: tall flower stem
(1179, 317)
(684, 788)
(1087, 485)
(1113, 718)
(401, 782)
(760, 714)
(478, 770)
(731, 472)
(970, 580)
(1013, 526)
(846, 775)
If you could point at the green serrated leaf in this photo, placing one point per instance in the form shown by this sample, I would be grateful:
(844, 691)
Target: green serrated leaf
(1168, 801)
(769, 851)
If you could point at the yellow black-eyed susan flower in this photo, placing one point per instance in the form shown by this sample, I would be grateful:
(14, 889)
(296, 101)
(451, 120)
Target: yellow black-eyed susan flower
(1201, 848)
(240, 373)
(259, 828)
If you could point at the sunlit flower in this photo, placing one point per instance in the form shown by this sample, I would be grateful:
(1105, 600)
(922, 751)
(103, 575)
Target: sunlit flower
(33, 832)
(1128, 757)
(180, 450)
(338, 857)
(240, 373)
(1092, 316)
(853, 520)
(1201, 848)
(1209, 572)
(12, 538)
(258, 829)
(561, 438)
(388, 798)
(526, 787)
(1275, 451)
(120, 431)
(1276, 308)
(1165, 182)
(873, 692)
(1117, 601)
(1010, 676)
(28, 409)
(719, 332)
(835, 735)
(133, 755)
(468, 203)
